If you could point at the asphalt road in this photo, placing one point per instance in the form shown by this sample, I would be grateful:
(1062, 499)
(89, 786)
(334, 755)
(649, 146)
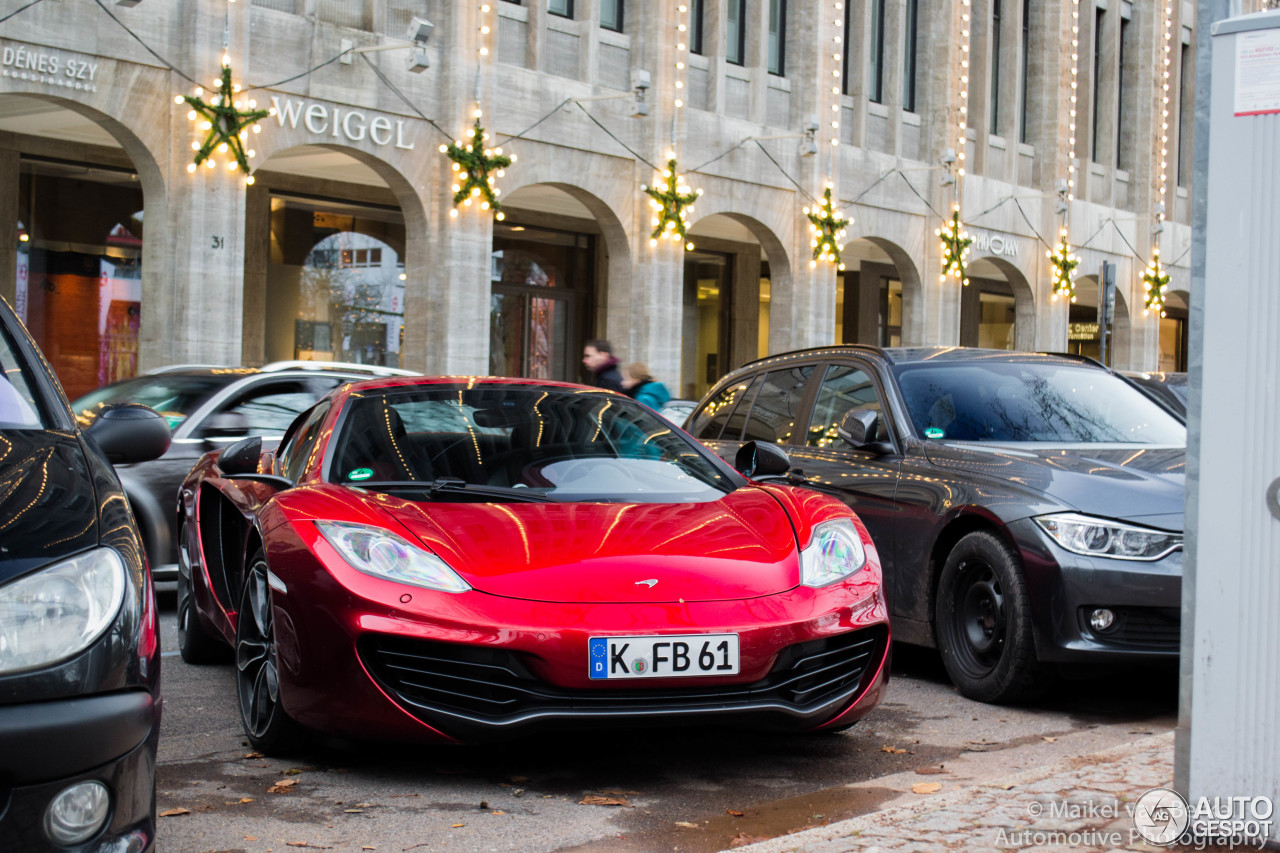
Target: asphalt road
(690, 790)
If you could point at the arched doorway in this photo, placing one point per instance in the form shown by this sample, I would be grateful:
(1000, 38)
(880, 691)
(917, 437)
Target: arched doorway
(1086, 324)
(325, 246)
(1173, 332)
(731, 278)
(877, 293)
(997, 309)
(74, 271)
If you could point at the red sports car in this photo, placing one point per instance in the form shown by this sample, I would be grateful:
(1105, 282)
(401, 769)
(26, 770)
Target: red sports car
(458, 559)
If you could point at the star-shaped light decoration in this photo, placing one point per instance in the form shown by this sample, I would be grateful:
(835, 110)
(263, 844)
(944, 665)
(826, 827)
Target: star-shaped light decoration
(1064, 265)
(477, 166)
(827, 229)
(1156, 280)
(227, 122)
(955, 248)
(671, 204)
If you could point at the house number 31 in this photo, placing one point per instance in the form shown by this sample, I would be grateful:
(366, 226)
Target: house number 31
(217, 242)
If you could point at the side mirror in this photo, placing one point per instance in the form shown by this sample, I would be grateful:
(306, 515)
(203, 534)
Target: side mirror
(859, 428)
(225, 425)
(241, 457)
(239, 461)
(757, 459)
(128, 432)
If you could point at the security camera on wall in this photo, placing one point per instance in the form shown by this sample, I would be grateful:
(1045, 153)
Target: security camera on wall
(420, 31)
(418, 60)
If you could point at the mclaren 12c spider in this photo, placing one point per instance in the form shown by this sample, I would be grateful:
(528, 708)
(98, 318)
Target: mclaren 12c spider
(463, 559)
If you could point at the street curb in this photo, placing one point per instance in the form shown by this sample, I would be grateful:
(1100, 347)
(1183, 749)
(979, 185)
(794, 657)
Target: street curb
(894, 814)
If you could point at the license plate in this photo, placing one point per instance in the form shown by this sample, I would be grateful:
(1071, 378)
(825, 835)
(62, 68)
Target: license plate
(669, 656)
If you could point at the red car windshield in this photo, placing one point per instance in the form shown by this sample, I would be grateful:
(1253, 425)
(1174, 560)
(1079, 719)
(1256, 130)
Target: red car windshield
(564, 443)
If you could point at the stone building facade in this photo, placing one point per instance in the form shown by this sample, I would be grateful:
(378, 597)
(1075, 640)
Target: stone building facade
(347, 244)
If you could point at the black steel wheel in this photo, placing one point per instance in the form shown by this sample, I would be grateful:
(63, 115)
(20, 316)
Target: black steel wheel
(983, 621)
(195, 643)
(269, 728)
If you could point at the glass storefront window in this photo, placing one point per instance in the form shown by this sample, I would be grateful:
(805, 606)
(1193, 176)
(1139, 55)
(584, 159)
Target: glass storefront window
(995, 323)
(335, 284)
(79, 277)
(707, 287)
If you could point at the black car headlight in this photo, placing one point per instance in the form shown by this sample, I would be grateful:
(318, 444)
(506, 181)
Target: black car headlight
(1104, 537)
(835, 552)
(59, 611)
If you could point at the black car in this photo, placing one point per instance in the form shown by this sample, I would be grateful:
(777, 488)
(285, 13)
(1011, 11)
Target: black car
(1168, 388)
(209, 407)
(1028, 508)
(79, 642)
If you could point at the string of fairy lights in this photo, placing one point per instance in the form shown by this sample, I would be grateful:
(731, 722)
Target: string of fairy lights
(474, 163)
(1060, 258)
(955, 240)
(1155, 279)
(827, 228)
(671, 199)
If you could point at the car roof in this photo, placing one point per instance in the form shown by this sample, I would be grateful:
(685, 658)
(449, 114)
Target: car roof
(393, 382)
(279, 367)
(908, 355)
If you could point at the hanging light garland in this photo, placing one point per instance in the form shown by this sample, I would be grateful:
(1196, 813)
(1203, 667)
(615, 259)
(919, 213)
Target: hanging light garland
(477, 166)
(827, 230)
(1062, 261)
(671, 203)
(226, 121)
(955, 240)
(1064, 265)
(955, 248)
(1156, 279)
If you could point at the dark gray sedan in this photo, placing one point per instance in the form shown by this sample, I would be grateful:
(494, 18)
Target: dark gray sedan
(208, 408)
(1028, 508)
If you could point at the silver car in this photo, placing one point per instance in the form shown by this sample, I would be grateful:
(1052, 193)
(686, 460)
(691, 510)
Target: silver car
(208, 408)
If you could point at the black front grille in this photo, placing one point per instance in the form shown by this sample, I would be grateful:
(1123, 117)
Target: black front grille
(1155, 628)
(493, 687)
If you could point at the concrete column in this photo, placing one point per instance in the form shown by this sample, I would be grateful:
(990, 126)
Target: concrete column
(257, 256)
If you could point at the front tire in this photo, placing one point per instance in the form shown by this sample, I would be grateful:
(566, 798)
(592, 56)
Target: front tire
(984, 624)
(269, 728)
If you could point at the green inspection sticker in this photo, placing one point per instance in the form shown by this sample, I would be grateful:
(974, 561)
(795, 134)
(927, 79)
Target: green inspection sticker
(934, 432)
(360, 474)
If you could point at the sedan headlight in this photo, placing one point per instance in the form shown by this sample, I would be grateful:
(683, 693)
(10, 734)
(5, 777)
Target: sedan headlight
(383, 554)
(834, 553)
(58, 612)
(1103, 537)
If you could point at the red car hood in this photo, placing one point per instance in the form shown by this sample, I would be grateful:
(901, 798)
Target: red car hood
(741, 546)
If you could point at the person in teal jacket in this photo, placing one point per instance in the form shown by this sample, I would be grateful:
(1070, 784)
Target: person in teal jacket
(638, 383)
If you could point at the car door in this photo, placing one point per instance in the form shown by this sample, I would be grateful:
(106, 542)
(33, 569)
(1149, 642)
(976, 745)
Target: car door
(759, 407)
(864, 479)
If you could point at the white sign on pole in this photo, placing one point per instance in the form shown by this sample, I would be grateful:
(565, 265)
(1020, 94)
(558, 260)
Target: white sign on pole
(1258, 73)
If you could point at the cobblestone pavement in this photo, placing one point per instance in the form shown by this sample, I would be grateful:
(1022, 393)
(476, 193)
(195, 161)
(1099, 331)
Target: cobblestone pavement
(1082, 805)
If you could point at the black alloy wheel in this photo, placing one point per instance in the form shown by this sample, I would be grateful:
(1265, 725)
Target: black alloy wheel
(269, 728)
(195, 643)
(983, 623)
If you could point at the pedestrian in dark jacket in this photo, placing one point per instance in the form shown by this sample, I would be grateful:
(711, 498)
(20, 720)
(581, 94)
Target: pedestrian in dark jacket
(598, 356)
(640, 384)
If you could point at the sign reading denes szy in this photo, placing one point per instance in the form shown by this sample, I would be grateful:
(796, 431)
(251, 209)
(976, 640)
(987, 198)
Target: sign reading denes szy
(51, 67)
(340, 123)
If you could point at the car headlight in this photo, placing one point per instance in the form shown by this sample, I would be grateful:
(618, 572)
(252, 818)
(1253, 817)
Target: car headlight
(383, 554)
(1103, 537)
(59, 611)
(834, 553)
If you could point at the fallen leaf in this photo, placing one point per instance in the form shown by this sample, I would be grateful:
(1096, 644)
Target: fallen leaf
(931, 771)
(686, 824)
(353, 811)
(251, 838)
(1050, 739)
(497, 811)
(292, 771)
(174, 812)
(1006, 786)
(892, 750)
(458, 825)
(742, 839)
(733, 812)
(926, 787)
(282, 786)
(594, 800)
(307, 845)
(255, 755)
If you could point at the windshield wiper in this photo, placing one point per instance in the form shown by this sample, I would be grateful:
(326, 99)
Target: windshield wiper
(455, 485)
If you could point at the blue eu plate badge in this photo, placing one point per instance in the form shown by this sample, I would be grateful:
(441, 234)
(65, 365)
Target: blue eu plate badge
(599, 649)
